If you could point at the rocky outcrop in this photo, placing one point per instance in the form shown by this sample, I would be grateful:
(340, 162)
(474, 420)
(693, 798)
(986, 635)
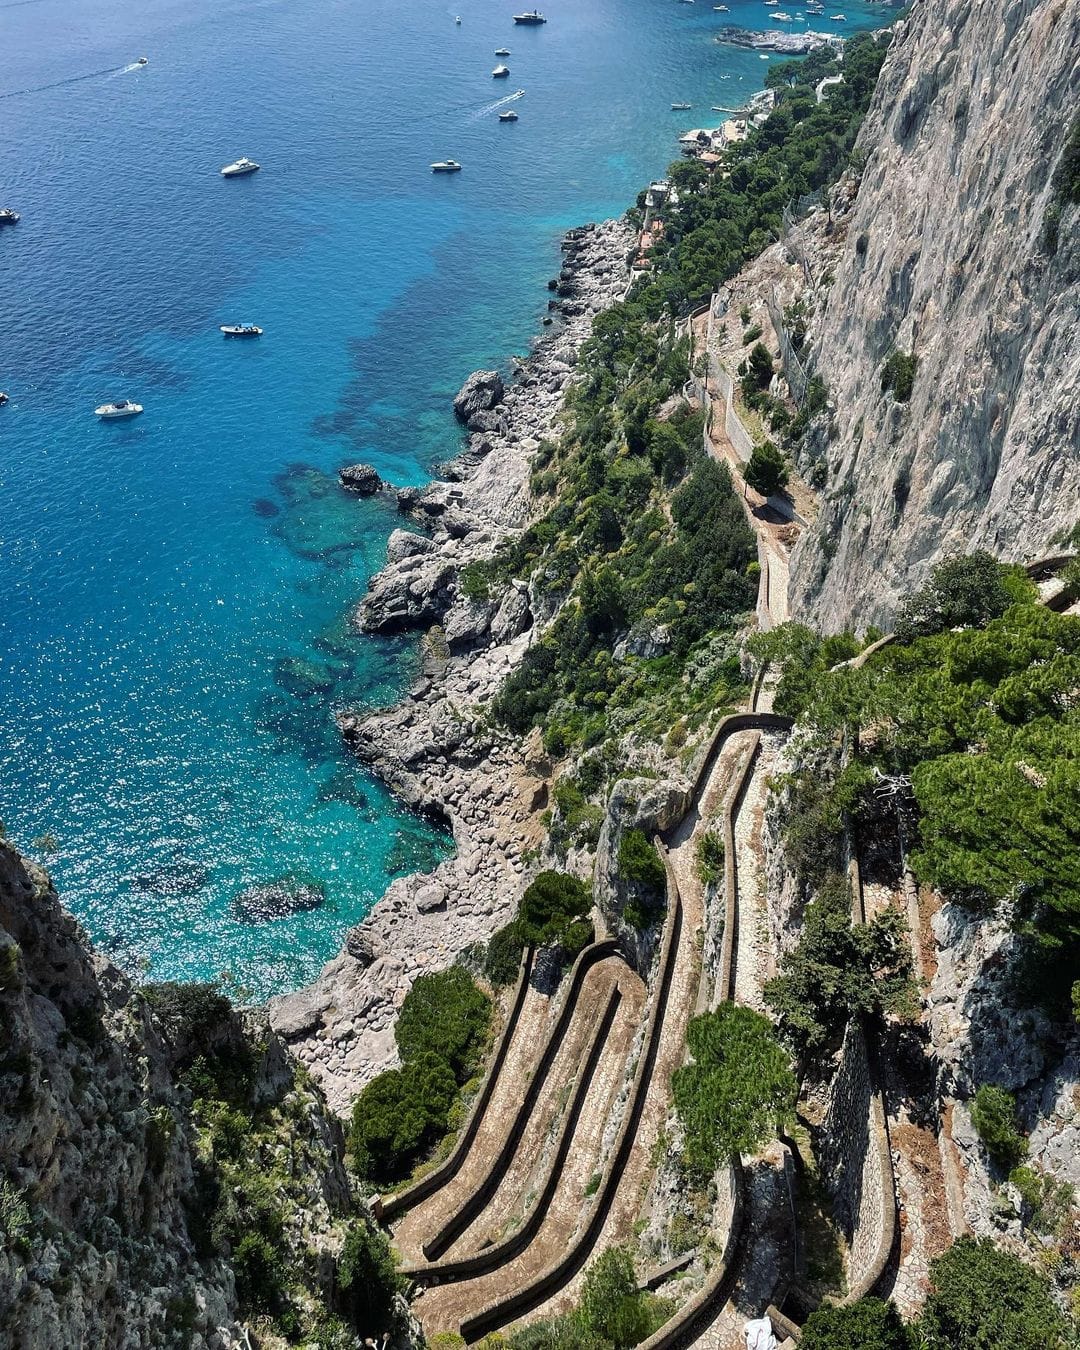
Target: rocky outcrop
(360, 478)
(480, 393)
(436, 749)
(96, 1163)
(121, 1206)
(952, 253)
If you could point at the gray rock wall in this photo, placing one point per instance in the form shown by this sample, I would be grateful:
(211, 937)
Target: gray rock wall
(945, 256)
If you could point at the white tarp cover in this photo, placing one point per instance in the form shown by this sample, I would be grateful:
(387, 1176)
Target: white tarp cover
(759, 1335)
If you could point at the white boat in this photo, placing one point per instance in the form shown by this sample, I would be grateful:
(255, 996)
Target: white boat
(502, 51)
(531, 16)
(446, 166)
(241, 330)
(121, 408)
(681, 107)
(721, 9)
(143, 61)
(509, 116)
(8, 216)
(457, 18)
(237, 170)
(781, 17)
(4, 398)
(500, 72)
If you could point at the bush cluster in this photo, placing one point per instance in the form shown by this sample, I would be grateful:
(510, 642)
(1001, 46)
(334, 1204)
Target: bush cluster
(737, 1092)
(553, 913)
(441, 1031)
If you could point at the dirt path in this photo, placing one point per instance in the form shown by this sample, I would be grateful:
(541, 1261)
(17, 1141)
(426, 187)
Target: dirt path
(444, 1307)
(418, 1224)
(512, 1199)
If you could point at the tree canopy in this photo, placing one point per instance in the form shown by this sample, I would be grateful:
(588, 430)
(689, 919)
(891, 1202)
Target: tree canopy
(738, 1090)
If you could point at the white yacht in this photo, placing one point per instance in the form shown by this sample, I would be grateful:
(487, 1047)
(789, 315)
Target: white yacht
(500, 72)
(781, 17)
(509, 116)
(446, 166)
(241, 330)
(8, 216)
(237, 170)
(121, 408)
(681, 107)
(502, 51)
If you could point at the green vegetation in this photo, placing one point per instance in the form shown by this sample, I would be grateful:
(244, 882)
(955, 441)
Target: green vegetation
(447, 1016)
(839, 970)
(738, 1091)
(963, 592)
(710, 857)
(868, 1324)
(1066, 188)
(441, 1031)
(613, 1313)
(993, 1113)
(982, 1299)
(898, 374)
(802, 657)
(367, 1279)
(553, 913)
(983, 724)
(767, 471)
(641, 865)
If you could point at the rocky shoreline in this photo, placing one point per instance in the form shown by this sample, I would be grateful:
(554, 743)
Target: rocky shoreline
(434, 748)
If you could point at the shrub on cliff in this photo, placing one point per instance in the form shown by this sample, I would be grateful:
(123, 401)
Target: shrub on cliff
(982, 1298)
(640, 864)
(898, 375)
(444, 1014)
(399, 1115)
(993, 1113)
(964, 591)
(551, 904)
(737, 1092)
(367, 1279)
(868, 1324)
(838, 970)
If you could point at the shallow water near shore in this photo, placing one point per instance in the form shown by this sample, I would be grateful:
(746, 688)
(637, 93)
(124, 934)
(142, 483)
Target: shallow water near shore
(172, 642)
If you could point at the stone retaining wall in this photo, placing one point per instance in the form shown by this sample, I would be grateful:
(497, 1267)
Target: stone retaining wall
(478, 1199)
(503, 1310)
(390, 1207)
(490, 1258)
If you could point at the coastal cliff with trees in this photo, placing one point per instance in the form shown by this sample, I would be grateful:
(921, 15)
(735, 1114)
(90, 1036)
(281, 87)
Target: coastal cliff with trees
(752, 986)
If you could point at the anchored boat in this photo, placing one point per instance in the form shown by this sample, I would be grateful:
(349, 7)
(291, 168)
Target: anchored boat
(446, 166)
(532, 16)
(121, 408)
(241, 330)
(237, 170)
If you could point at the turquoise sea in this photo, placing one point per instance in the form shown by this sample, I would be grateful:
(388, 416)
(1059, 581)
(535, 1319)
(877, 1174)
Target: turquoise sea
(175, 588)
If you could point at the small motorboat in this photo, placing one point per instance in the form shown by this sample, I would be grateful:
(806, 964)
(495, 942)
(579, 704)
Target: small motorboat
(3, 398)
(681, 107)
(8, 216)
(509, 116)
(500, 72)
(781, 17)
(457, 18)
(238, 169)
(446, 166)
(143, 61)
(502, 51)
(121, 408)
(241, 330)
(721, 9)
(532, 16)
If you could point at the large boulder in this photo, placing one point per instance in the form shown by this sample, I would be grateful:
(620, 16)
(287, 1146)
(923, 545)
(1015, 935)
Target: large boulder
(411, 593)
(361, 478)
(481, 391)
(278, 899)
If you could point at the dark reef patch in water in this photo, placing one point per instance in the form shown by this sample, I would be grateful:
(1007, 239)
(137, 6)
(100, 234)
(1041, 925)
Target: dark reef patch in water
(278, 899)
(412, 851)
(265, 509)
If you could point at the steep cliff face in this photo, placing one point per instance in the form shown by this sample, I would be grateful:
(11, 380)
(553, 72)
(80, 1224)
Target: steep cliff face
(950, 255)
(167, 1176)
(96, 1170)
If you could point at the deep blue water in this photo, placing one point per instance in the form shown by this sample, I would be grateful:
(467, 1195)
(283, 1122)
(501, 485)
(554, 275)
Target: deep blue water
(158, 576)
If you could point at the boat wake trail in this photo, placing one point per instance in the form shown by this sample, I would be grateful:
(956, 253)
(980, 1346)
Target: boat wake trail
(489, 108)
(72, 79)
